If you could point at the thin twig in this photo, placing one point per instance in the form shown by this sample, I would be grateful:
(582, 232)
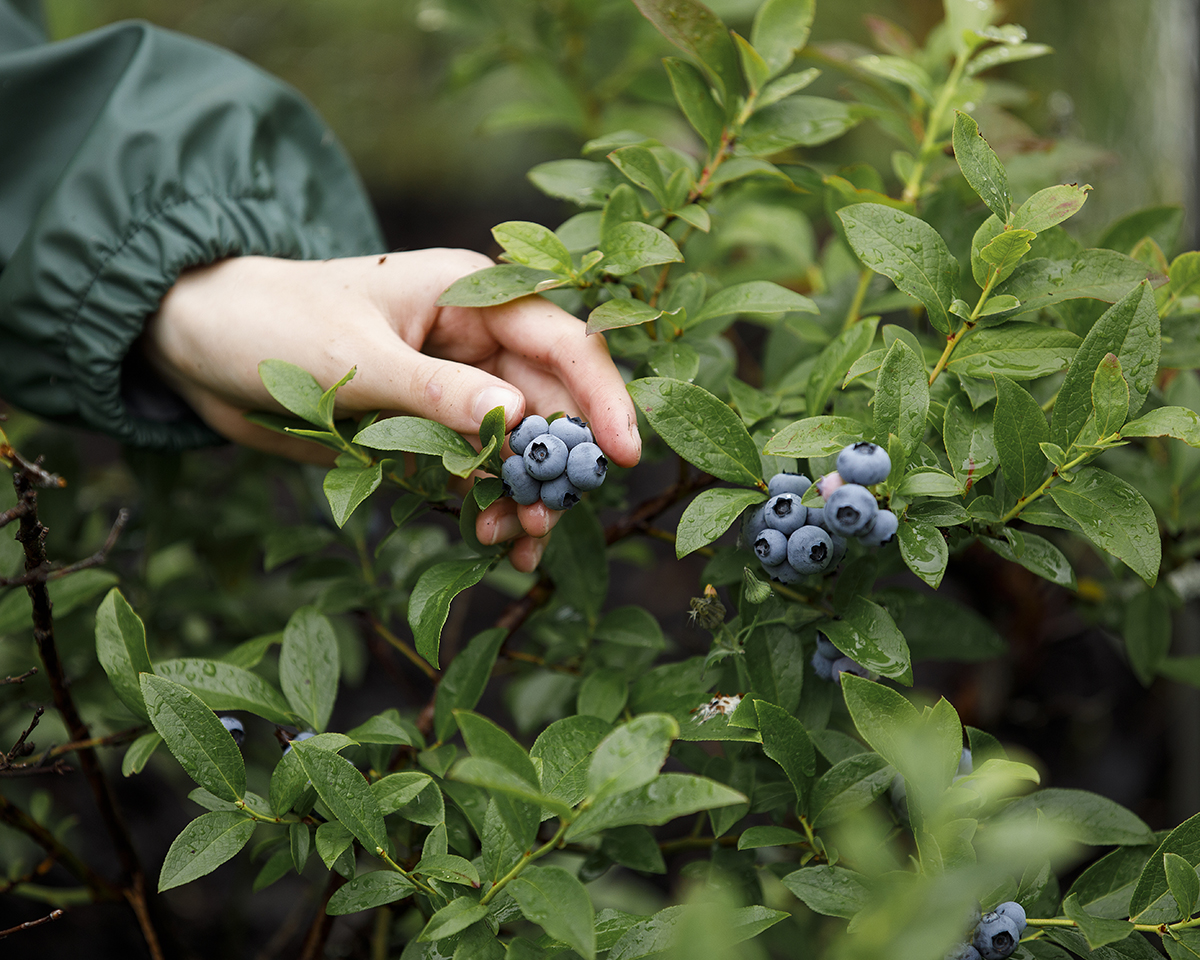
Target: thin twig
(405, 649)
(30, 924)
(19, 747)
(15, 817)
(22, 678)
(46, 572)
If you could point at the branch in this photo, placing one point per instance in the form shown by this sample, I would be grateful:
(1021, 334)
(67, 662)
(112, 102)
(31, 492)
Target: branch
(649, 509)
(21, 679)
(30, 924)
(45, 572)
(15, 817)
(318, 932)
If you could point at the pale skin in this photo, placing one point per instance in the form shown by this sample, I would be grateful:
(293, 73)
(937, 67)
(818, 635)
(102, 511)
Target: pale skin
(379, 314)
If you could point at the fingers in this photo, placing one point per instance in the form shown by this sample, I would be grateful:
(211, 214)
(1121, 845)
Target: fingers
(552, 339)
(529, 526)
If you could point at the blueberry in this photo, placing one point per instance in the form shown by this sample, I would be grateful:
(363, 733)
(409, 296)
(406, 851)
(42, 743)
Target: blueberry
(304, 735)
(782, 572)
(571, 430)
(996, 936)
(849, 509)
(827, 649)
(518, 484)
(235, 728)
(963, 951)
(586, 466)
(1010, 908)
(532, 426)
(784, 513)
(560, 493)
(771, 547)
(967, 765)
(809, 549)
(822, 666)
(864, 463)
(816, 517)
(839, 548)
(846, 665)
(545, 457)
(795, 483)
(754, 522)
(882, 530)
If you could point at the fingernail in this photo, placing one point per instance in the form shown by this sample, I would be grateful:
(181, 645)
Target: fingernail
(505, 528)
(536, 551)
(494, 397)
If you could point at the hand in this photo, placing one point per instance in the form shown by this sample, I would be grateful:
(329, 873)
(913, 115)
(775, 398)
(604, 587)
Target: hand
(379, 314)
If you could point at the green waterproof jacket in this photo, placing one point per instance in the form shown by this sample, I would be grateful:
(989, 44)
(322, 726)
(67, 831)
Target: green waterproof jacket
(126, 156)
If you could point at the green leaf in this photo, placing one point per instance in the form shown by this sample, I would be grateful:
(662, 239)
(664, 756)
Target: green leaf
(564, 751)
(776, 672)
(981, 167)
(693, 28)
(901, 397)
(448, 868)
(487, 741)
(196, 738)
(797, 121)
(924, 550)
(453, 918)
(293, 388)
(700, 428)
(1098, 931)
(1110, 397)
(1182, 882)
(344, 790)
(641, 167)
(710, 514)
(1035, 554)
(1130, 331)
(881, 714)
(631, 756)
(867, 633)
(695, 100)
(909, 252)
(575, 560)
(899, 70)
(836, 360)
(348, 485)
(465, 680)
(382, 728)
(533, 245)
(1009, 53)
(494, 285)
(1098, 274)
(121, 650)
(654, 937)
(1003, 254)
(816, 437)
(205, 844)
(1050, 207)
(613, 314)
(633, 245)
(414, 435)
(329, 400)
(787, 743)
(1183, 944)
(1018, 350)
(1019, 427)
(556, 901)
(1093, 499)
(139, 753)
(754, 298)
(1084, 817)
(675, 360)
(781, 29)
(1152, 901)
(429, 604)
(1147, 633)
(397, 790)
(1104, 889)
(1177, 422)
(586, 183)
(847, 787)
(753, 838)
(970, 440)
(369, 890)
(603, 693)
(309, 667)
(667, 796)
(223, 686)
(831, 891)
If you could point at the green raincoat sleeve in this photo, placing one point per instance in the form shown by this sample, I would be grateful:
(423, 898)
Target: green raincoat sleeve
(126, 156)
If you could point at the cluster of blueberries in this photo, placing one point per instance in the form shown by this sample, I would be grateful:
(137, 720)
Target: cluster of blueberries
(792, 540)
(552, 462)
(830, 663)
(996, 934)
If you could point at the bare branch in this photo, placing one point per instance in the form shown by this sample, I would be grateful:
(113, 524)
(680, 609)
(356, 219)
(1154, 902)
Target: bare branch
(30, 924)
(22, 678)
(46, 572)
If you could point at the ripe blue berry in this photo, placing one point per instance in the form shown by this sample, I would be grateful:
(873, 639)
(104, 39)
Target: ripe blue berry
(847, 665)
(963, 951)
(882, 529)
(849, 509)
(864, 463)
(822, 666)
(795, 483)
(754, 522)
(771, 547)
(809, 549)
(560, 493)
(235, 728)
(571, 430)
(996, 937)
(783, 572)
(967, 765)
(1010, 908)
(784, 513)
(827, 649)
(518, 484)
(545, 457)
(839, 548)
(816, 517)
(586, 466)
(532, 426)
(304, 735)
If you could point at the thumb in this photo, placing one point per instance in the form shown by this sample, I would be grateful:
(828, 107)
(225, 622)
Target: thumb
(454, 394)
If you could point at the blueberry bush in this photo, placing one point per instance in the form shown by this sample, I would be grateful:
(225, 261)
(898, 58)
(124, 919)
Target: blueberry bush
(853, 380)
